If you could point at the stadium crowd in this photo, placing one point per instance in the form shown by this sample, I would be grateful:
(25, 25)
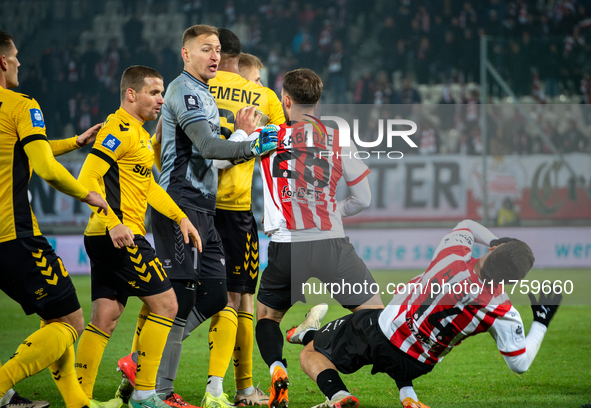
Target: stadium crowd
(371, 52)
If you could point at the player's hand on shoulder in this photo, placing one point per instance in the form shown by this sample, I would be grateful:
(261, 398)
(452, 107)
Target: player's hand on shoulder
(545, 307)
(122, 236)
(96, 200)
(266, 141)
(89, 136)
(189, 231)
(246, 119)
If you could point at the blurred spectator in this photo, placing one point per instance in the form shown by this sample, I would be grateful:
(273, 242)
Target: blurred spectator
(132, 33)
(88, 63)
(337, 75)
(364, 88)
(407, 95)
(507, 216)
(383, 91)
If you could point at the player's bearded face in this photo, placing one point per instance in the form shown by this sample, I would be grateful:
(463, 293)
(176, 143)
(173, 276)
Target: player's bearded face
(149, 99)
(11, 74)
(202, 57)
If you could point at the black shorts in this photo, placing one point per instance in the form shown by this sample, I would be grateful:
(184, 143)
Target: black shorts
(34, 276)
(356, 340)
(124, 272)
(290, 265)
(182, 261)
(239, 233)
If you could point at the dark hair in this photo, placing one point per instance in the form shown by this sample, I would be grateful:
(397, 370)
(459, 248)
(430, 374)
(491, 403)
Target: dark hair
(197, 30)
(135, 76)
(6, 41)
(229, 42)
(512, 260)
(249, 61)
(303, 86)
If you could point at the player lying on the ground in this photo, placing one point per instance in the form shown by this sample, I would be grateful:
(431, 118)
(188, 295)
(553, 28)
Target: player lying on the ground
(415, 331)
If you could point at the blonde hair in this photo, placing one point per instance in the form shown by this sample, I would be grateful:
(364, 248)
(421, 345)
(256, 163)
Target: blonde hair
(197, 30)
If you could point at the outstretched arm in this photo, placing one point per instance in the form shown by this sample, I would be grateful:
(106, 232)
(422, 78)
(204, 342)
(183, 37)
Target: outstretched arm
(482, 235)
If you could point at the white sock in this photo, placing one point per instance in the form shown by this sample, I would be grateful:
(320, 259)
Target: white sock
(6, 397)
(277, 364)
(406, 392)
(340, 395)
(246, 391)
(138, 395)
(214, 386)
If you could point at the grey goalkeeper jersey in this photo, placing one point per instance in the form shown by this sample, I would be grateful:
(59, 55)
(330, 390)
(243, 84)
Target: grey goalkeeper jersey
(186, 175)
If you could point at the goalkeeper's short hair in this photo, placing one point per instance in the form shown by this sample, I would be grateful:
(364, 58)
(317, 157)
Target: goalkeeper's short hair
(197, 30)
(509, 261)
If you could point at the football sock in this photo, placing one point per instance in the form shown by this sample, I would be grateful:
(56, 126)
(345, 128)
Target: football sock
(91, 347)
(137, 395)
(6, 398)
(214, 386)
(243, 351)
(141, 320)
(330, 383)
(63, 372)
(308, 337)
(408, 392)
(281, 364)
(171, 357)
(222, 337)
(270, 340)
(211, 297)
(151, 342)
(245, 391)
(36, 353)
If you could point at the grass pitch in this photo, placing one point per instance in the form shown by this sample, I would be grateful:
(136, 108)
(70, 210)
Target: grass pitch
(473, 375)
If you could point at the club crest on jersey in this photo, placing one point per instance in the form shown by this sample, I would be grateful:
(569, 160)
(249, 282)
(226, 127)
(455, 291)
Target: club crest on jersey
(111, 142)
(37, 118)
(191, 102)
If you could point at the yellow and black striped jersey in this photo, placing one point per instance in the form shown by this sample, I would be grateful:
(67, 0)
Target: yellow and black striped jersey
(231, 93)
(23, 146)
(120, 168)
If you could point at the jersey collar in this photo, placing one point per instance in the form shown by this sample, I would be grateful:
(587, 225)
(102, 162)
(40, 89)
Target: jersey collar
(196, 80)
(124, 115)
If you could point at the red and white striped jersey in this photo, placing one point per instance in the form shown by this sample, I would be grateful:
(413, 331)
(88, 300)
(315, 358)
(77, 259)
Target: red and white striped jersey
(300, 181)
(430, 319)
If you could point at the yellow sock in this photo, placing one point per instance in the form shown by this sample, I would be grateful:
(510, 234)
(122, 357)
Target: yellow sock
(91, 347)
(222, 337)
(64, 375)
(141, 320)
(37, 352)
(243, 351)
(151, 342)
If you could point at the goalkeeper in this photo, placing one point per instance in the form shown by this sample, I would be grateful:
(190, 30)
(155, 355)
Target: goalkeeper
(416, 330)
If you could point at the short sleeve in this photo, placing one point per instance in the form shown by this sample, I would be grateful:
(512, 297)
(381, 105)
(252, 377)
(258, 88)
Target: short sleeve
(30, 124)
(508, 332)
(354, 169)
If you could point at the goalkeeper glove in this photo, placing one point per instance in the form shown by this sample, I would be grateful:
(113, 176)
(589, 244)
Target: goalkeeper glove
(545, 308)
(266, 141)
(499, 241)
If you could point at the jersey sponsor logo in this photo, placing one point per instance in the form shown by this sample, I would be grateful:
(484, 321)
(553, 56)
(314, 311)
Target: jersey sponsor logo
(235, 95)
(111, 142)
(37, 118)
(191, 102)
(142, 171)
(302, 193)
